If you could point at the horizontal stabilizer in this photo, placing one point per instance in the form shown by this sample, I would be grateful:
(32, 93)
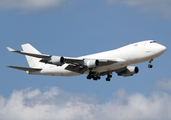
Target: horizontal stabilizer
(25, 68)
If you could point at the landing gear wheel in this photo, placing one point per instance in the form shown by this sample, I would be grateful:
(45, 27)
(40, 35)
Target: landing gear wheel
(93, 75)
(94, 78)
(107, 79)
(89, 77)
(109, 76)
(98, 77)
(150, 66)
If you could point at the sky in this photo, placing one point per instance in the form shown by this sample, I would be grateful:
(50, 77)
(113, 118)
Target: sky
(75, 28)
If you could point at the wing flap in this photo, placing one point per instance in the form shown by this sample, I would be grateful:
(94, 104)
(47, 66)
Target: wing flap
(120, 70)
(78, 61)
(107, 62)
(76, 68)
(25, 68)
(74, 61)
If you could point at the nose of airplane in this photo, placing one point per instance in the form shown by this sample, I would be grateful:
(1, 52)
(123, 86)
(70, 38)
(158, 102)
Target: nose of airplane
(160, 49)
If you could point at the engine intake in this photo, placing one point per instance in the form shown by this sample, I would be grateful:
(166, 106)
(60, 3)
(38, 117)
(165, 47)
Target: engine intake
(92, 63)
(130, 71)
(56, 60)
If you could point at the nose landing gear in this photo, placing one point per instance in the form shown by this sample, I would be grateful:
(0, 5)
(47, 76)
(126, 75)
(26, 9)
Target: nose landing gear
(108, 77)
(150, 65)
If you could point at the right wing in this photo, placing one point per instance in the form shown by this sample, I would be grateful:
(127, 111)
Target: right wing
(125, 71)
(77, 65)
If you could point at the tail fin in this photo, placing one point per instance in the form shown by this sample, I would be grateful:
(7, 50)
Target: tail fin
(32, 61)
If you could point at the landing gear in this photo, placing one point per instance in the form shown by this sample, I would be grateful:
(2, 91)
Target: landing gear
(150, 65)
(89, 77)
(92, 75)
(95, 76)
(108, 77)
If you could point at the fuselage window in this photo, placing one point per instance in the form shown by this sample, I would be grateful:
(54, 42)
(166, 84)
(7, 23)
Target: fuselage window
(153, 42)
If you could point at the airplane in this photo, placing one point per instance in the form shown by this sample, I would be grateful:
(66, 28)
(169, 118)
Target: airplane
(95, 65)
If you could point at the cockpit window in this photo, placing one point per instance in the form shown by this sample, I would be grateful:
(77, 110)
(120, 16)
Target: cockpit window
(153, 42)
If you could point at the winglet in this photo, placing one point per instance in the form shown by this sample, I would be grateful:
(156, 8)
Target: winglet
(10, 49)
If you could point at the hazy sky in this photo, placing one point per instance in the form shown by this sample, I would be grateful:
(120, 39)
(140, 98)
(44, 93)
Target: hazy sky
(74, 28)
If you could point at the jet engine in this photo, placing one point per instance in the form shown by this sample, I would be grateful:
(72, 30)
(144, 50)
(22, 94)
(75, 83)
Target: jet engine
(92, 63)
(130, 71)
(56, 60)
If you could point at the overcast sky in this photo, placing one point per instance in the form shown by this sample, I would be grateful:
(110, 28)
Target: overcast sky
(75, 28)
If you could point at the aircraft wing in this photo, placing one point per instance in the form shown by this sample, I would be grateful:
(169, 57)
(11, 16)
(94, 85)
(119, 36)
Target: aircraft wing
(25, 68)
(29, 54)
(79, 61)
(118, 71)
(125, 71)
(69, 60)
(75, 64)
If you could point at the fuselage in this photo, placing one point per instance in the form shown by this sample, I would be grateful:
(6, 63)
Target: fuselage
(127, 55)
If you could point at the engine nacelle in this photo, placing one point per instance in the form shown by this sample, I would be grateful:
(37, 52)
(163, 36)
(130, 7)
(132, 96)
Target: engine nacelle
(92, 63)
(55, 60)
(130, 71)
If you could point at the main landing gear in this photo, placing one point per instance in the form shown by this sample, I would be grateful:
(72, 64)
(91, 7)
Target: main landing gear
(94, 76)
(150, 65)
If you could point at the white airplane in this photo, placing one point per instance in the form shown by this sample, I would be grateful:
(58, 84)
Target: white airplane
(95, 65)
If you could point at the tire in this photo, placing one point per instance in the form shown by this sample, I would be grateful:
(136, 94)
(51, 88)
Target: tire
(150, 66)
(107, 79)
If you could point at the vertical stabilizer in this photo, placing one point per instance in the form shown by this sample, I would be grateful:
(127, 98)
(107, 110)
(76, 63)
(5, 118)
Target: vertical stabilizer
(32, 61)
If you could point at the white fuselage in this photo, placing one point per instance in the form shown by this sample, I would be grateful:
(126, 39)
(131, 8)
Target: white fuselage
(127, 55)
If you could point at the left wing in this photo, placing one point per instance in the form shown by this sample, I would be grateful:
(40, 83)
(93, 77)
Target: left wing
(29, 54)
(80, 61)
(79, 65)
(25, 68)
